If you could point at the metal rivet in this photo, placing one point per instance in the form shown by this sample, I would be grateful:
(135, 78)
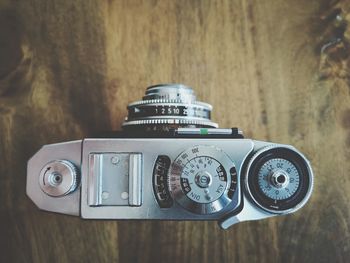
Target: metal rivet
(124, 195)
(115, 160)
(105, 195)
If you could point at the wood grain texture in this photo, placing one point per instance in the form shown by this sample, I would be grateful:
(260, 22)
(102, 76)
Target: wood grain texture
(277, 69)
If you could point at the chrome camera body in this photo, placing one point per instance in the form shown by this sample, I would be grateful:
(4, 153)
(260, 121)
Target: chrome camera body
(170, 162)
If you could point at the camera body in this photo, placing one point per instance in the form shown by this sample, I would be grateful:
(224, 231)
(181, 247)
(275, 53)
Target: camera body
(170, 162)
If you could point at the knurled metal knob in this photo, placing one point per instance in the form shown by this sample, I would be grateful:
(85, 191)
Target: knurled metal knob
(59, 178)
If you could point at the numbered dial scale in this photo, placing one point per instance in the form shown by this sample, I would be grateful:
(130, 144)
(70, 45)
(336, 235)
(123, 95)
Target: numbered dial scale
(203, 179)
(279, 179)
(198, 110)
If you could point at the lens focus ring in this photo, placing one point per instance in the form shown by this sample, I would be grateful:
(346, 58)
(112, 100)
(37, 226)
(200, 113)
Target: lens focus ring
(177, 92)
(168, 106)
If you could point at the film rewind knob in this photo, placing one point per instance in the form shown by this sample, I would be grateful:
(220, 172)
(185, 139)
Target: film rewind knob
(59, 178)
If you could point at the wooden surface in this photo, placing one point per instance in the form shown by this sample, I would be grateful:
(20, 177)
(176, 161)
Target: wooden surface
(279, 70)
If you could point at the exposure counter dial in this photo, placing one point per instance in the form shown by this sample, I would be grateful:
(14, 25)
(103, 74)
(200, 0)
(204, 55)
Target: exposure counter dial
(200, 179)
(279, 179)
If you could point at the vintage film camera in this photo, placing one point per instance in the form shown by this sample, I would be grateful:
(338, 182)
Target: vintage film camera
(170, 162)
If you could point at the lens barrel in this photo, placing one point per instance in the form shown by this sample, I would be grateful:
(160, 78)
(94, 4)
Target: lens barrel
(168, 106)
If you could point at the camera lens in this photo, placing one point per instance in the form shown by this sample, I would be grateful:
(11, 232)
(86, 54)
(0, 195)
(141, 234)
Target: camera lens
(168, 106)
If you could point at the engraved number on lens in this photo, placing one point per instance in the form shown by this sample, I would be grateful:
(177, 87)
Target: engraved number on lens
(200, 179)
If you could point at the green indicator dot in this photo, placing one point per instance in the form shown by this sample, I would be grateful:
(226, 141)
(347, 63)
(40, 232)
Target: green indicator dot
(203, 131)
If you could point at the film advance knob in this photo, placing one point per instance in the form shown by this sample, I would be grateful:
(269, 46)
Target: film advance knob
(59, 178)
(279, 179)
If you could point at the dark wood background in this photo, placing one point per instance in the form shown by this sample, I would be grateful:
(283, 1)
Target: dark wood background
(277, 69)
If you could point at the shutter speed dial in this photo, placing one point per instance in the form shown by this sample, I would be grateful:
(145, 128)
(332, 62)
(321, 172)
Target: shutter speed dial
(200, 179)
(203, 179)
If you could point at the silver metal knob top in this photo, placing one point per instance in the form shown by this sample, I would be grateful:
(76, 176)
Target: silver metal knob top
(203, 179)
(59, 178)
(279, 178)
